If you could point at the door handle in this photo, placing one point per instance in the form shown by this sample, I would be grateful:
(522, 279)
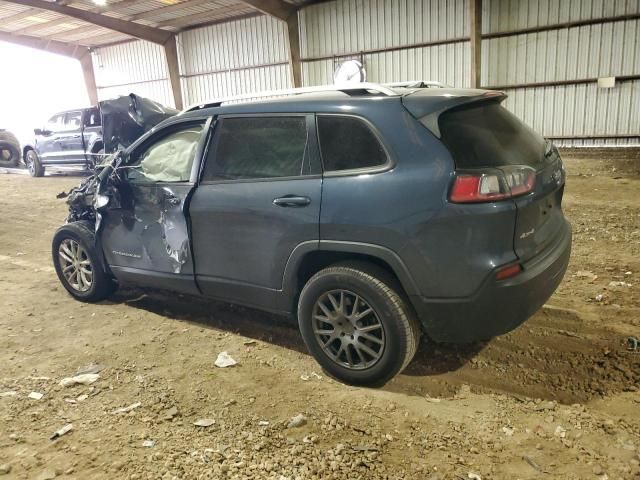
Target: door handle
(292, 201)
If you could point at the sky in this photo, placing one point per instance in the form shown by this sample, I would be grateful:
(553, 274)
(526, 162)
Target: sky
(34, 85)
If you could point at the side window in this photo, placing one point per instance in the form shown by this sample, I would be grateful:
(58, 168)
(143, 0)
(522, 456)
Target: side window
(347, 143)
(257, 147)
(92, 118)
(167, 158)
(73, 121)
(55, 123)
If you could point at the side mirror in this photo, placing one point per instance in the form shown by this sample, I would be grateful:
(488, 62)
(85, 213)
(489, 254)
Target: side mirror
(37, 131)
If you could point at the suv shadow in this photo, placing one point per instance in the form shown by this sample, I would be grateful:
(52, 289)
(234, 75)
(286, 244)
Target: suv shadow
(432, 358)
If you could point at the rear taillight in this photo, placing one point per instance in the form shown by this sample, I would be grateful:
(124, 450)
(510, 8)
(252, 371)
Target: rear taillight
(508, 271)
(492, 184)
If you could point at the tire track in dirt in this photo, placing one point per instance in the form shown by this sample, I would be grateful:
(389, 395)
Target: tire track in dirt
(556, 355)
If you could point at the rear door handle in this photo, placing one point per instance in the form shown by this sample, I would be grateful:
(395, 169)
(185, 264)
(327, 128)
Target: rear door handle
(291, 201)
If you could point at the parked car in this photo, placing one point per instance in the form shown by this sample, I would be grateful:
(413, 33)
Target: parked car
(9, 149)
(374, 214)
(68, 139)
(80, 138)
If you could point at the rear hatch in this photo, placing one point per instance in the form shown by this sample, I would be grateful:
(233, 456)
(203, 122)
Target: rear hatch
(508, 162)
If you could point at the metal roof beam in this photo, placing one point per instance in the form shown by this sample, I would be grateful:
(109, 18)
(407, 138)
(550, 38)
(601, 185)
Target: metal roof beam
(295, 64)
(171, 53)
(288, 13)
(276, 8)
(80, 53)
(475, 29)
(113, 7)
(52, 46)
(143, 32)
(89, 77)
(177, 22)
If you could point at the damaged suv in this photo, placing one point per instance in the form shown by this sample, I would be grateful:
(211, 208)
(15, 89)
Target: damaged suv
(372, 213)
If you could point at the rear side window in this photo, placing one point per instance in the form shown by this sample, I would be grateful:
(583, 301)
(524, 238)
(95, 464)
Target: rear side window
(55, 123)
(257, 147)
(72, 121)
(92, 118)
(348, 143)
(487, 135)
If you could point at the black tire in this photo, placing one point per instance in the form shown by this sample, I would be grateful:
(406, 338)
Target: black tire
(9, 149)
(400, 334)
(32, 161)
(101, 285)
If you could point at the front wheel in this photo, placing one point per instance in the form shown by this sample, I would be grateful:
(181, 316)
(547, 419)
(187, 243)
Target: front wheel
(356, 325)
(78, 265)
(32, 161)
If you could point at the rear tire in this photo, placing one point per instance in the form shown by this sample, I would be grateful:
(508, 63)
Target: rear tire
(32, 161)
(77, 263)
(354, 346)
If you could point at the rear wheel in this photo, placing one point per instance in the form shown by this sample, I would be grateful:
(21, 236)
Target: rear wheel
(32, 161)
(78, 265)
(356, 325)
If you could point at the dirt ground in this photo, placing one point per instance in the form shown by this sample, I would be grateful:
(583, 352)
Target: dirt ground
(557, 398)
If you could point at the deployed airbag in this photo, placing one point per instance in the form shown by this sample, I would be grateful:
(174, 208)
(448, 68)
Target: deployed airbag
(170, 159)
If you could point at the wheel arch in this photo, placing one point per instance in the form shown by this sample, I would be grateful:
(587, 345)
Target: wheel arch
(26, 148)
(97, 145)
(310, 257)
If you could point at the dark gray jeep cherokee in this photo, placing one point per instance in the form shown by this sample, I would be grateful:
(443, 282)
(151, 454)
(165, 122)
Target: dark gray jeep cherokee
(373, 213)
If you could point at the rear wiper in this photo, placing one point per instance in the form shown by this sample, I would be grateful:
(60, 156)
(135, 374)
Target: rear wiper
(548, 148)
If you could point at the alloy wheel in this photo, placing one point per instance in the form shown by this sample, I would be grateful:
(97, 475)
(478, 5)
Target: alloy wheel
(75, 265)
(348, 329)
(31, 165)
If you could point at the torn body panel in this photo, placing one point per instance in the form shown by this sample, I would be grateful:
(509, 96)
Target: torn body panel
(140, 226)
(149, 230)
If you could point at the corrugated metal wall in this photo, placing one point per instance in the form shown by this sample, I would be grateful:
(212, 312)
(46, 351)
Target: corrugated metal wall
(232, 58)
(567, 54)
(133, 67)
(503, 15)
(219, 60)
(416, 39)
(389, 36)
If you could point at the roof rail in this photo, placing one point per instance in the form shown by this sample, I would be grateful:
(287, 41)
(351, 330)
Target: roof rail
(356, 87)
(416, 84)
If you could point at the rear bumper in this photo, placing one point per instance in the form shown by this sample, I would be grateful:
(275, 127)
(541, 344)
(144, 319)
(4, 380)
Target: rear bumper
(498, 306)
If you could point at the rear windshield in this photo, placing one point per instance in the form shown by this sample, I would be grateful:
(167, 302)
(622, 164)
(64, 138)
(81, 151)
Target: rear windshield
(486, 134)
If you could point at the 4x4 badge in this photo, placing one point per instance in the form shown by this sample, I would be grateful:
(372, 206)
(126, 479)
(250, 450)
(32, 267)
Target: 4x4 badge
(526, 234)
